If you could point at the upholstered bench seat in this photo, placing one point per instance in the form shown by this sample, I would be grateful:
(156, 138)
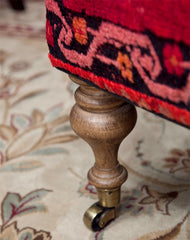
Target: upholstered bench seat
(138, 50)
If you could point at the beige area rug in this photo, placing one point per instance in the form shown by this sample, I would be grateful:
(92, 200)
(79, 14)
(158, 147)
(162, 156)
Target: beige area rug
(43, 165)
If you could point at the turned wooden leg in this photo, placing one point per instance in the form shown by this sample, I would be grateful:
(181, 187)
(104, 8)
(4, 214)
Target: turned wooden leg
(103, 120)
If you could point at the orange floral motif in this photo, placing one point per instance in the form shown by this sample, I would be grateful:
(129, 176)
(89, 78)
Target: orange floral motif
(79, 27)
(172, 59)
(125, 66)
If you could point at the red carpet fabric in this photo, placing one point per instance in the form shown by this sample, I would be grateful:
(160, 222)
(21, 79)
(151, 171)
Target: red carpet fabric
(139, 50)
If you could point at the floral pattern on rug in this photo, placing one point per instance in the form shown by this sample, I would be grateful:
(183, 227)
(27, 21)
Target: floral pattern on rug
(148, 200)
(38, 130)
(25, 137)
(179, 161)
(168, 233)
(14, 206)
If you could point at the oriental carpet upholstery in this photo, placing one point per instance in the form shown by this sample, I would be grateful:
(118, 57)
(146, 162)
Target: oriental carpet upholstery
(43, 187)
(139, 50)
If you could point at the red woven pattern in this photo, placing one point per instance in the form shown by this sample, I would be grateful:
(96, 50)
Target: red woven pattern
(166, 18)
(136, 49)
(150, 103)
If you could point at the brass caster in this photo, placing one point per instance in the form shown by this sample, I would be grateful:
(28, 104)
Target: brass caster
(97, 217)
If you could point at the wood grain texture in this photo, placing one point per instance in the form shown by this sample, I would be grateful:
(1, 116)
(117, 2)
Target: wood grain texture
(103, 120)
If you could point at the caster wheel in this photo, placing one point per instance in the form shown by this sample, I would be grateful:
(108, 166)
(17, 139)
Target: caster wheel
(97, 217)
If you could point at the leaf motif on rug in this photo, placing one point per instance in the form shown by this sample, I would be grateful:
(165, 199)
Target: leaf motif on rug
(41, 133)
(168, 234)
(178, 161)
(160, 199)
(13, 206)
(11, 232)
(87, 190)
